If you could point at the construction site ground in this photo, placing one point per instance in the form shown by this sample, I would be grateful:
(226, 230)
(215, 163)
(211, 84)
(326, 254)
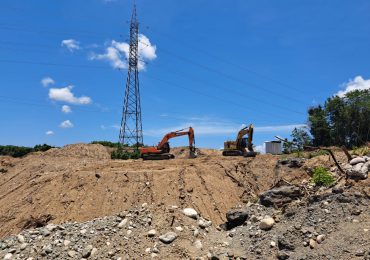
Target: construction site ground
(80, 182)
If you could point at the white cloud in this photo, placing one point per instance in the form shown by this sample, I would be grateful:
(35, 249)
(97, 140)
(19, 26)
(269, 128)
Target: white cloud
(260, 148)
(66, 109)
(117, 54)
(113, 56)
(71, 44)
(66, 95)
(66, 124)
(47, 81)
(104, 127)
(358, 83)
(49, 132)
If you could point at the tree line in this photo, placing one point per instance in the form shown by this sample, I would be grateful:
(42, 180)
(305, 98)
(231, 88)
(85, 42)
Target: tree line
(340, 121)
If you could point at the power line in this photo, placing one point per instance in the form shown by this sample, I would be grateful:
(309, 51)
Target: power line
(106, 68)
(225, 88)
(245, 83)
(193, 47)
(230, 77)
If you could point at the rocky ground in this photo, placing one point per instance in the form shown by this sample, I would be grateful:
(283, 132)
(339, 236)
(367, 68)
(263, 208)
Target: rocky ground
(208, 208)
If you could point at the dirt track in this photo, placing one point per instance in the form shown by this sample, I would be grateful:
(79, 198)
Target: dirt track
(80, 182)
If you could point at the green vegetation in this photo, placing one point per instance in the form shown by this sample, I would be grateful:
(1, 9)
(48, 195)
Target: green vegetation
(361, 151)
(108, 144)
(122, 154)
(317, 153)
(19, 151)
(321, 177)
(342, 120)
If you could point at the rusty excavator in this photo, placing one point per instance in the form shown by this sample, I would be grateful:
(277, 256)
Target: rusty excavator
(162, 150)
(242, 146)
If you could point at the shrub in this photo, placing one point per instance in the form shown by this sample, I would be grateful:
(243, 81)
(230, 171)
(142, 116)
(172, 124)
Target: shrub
(322, 177)
(19, 151)
(42, 147)
(15, 151)
(108, 144)
(122, 154)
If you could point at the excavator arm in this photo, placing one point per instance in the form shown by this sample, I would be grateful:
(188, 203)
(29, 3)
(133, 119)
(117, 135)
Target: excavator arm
(167, 137)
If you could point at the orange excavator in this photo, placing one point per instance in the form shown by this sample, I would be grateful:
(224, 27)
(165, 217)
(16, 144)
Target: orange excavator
(162, 150)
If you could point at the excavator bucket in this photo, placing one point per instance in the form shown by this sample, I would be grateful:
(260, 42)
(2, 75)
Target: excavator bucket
(193, 154)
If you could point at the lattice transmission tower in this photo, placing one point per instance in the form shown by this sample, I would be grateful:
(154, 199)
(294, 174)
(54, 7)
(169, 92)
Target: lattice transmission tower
(131, 132)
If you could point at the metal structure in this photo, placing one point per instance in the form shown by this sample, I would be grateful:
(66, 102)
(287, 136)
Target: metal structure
(131, 132)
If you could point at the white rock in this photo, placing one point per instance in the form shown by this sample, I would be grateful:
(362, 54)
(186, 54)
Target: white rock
(23, 246)
(20, 239)
(366, 230)
(320, 238)
(129, 232)
(83, 231)
(198, 244)
(71, 253)
(272, 244)
(179, 228)
(357, 160)
(123, 223)
(168, 237)
(267, 223)
(51, 227)
(8, 256)
(144, 205)
(152, 233)
(196, 232)
(358, 167)
(312, 243)
(153, 255)
(190, 213)
(94, 251)
(147, 250)
(66, 242)
(204, 223)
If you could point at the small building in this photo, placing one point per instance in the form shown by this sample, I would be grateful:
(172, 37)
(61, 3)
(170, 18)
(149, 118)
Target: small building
(274, 147)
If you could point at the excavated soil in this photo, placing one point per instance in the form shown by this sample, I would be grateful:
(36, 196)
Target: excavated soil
(80, 182)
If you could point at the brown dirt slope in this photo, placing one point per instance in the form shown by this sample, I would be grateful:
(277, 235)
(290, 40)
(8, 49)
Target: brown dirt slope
(80, 182)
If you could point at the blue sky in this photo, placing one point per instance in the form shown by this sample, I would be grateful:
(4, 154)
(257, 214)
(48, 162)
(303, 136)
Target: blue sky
(215, 65)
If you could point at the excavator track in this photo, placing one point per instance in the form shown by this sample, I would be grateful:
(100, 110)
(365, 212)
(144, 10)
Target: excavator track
(232, 153)
(160, 156)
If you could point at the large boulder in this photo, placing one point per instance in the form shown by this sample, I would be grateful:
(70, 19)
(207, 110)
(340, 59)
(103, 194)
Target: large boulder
(357, 160)
(280, 195)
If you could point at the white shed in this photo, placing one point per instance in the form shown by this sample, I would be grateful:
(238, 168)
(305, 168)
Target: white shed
(274, 147)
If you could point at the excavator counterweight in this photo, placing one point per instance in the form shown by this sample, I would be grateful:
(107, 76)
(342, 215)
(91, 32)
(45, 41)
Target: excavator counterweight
(242, 146)
(162, 150)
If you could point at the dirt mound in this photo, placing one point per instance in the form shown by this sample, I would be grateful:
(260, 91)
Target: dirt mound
(79, 182)
(82, 151)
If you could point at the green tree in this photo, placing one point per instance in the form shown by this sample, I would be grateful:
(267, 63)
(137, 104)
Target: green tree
(300, 139)
(342, 120)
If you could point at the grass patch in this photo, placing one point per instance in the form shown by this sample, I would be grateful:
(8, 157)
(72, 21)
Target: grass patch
(321, 177)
